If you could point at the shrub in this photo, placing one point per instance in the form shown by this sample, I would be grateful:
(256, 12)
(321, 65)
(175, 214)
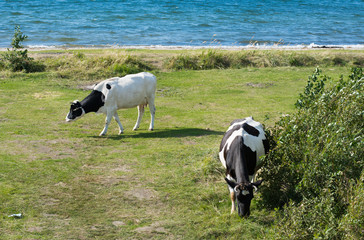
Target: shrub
(129, 66)
(206, 60)
(352, 224)
(313, 89)
(18, 60)
(317, 158)
(300, 60)
(243, 61)
(182, 62)
(214, 60)
(339, 61)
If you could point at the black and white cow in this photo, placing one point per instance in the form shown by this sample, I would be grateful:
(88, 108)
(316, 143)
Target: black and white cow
(135, 90)
(242, 145)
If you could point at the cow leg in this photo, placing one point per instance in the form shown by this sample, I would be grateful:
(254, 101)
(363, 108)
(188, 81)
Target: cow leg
(140, 116)
(116, 117)
(109, 116)
(232, 197)
(152, 114)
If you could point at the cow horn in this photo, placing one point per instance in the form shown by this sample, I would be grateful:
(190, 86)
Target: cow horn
(236, 188)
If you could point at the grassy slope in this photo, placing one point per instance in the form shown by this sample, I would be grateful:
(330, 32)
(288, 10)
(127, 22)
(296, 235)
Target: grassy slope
(71, 184)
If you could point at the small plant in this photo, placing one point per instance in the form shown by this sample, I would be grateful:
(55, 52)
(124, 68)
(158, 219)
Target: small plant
(214, 60)
(182, 62)
(129, 66)
(17, 59)
(300, 60)
(313, 90)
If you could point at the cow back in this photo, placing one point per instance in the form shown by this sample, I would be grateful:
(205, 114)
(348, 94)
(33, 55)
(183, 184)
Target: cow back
(247, 135)
(129, 91)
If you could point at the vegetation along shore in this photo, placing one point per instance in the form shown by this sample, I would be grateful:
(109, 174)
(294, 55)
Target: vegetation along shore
(69, 183)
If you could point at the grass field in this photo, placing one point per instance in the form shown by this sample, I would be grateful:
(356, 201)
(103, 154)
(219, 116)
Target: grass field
(69, 183)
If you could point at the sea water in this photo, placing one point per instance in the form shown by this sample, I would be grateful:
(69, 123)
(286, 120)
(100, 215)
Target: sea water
(183, 23)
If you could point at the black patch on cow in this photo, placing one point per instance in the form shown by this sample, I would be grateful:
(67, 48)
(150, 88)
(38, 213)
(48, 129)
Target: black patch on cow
(93, 102)
(108, 86)
(250, 158)
(251, 130)
(239, 160)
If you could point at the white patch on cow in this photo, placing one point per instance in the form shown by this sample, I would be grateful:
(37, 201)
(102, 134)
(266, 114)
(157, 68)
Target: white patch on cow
(245, 192)
(101, 110)
(129, 91)
(227, 145)
(221, 157)
(231, 179)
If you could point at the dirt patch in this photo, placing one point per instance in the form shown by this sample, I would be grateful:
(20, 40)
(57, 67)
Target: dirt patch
(109, 181)
(118, 223)
(46, 95)
(142, 194)
(259, 85)
(42, 149)
(156, 227)
(87, 87)
(35, 229)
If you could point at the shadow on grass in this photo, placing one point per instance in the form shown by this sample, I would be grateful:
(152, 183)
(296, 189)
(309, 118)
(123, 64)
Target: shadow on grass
(167, 133)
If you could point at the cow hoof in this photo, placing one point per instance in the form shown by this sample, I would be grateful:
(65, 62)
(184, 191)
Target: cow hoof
(151, 129)
(121, 132)
(102, 134)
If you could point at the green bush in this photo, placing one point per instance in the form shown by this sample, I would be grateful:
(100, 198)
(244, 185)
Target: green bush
(81, 67)
(301, 60)
(129, 66)
(313, 90)
(220, 59)
(317, 158)
(214, 60)
(182, 62)
(206, 60)
(18, 60)
(352, 224)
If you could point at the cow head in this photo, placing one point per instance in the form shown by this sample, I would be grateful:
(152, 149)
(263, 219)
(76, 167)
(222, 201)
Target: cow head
(244, 195)
(76, 111)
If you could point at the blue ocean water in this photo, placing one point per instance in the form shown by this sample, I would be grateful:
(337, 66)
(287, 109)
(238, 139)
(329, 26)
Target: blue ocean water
(181, 23)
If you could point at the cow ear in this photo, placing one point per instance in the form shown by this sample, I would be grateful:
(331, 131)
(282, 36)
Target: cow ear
(75, 104)
(108, 86)
(256, 184)
(231, 183)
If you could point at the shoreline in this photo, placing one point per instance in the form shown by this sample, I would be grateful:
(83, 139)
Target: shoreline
(188, 47)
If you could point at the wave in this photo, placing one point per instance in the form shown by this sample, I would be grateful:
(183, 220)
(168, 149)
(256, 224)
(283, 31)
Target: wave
(187, 47)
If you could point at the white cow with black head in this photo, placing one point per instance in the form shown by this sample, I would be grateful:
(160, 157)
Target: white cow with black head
(241, 147)
(134, 90)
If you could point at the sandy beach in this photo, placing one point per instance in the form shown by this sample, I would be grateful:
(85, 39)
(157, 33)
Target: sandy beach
(186, 47)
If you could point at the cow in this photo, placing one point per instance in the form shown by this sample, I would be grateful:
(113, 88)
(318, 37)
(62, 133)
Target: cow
(134, 90)
(240, 150)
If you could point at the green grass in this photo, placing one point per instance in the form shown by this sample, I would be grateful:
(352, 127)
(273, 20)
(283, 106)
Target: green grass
(166, 184)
